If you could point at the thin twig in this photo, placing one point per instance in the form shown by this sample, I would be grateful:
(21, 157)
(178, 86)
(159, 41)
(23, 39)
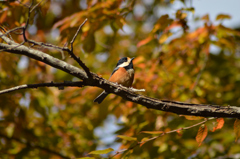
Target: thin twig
(32, 145)
(26, 25)
(48, 45)
(74, 37)
(162, 134)
(6, 39)
(23, 4)
(35, 6)
(138, 90)
(12, 30)
(7, 32)
(70, 51)
(60, 85)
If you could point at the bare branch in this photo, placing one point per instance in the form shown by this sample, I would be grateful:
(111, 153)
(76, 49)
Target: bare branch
(47, 45)
(35, 6)
(40, 56)
(26, 25)
(70, 51)
(79, 28)
(50, 84)
(12, 30)
(137, 90)
(5, 38)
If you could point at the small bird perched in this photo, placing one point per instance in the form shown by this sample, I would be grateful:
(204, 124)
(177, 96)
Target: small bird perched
(123, 74)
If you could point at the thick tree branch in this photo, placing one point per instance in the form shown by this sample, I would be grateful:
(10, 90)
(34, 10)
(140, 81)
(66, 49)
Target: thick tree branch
(169, 106)
(32, 145)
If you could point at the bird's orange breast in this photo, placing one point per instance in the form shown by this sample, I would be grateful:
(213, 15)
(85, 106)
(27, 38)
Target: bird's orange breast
(123, 77)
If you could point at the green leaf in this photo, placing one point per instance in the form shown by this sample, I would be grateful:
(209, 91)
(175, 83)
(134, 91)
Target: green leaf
(128, 138)
(86, 158)
(152, 132)
(99, 152)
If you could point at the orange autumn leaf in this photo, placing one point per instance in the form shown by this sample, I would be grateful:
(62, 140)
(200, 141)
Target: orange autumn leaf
(189, 117)
(144, 41)
(220, 123)
(173, 25)
(237, 128)
(202, 134)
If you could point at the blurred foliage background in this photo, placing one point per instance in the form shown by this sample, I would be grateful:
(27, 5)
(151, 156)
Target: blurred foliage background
(174, 61)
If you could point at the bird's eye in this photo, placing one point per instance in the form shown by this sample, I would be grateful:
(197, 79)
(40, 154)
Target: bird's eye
(125, 59)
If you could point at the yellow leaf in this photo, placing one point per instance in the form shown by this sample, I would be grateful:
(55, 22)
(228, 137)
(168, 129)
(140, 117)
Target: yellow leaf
(152, 132)
(163, 38)
(237, 128)
(202, 134)
(223, 16)
(205, 17)
(128, 138)
(188, 117)
(99, 152)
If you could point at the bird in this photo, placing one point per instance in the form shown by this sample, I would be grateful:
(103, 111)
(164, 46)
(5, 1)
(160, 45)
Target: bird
(123, 74)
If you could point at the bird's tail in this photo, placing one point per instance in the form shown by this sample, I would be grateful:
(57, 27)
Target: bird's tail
(101, 97)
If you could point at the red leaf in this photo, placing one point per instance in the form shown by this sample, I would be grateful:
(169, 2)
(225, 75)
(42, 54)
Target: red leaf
(237, 128)
(202, 134)
(220, 123)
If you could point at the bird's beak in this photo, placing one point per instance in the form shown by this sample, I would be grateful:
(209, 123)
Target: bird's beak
(132, 58)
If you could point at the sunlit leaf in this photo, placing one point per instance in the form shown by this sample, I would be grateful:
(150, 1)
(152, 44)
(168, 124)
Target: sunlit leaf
(99, 152)
(223, 16)
(152, 132)
(10, 129)
(188, 117)
(163, 38)
(128, 138)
